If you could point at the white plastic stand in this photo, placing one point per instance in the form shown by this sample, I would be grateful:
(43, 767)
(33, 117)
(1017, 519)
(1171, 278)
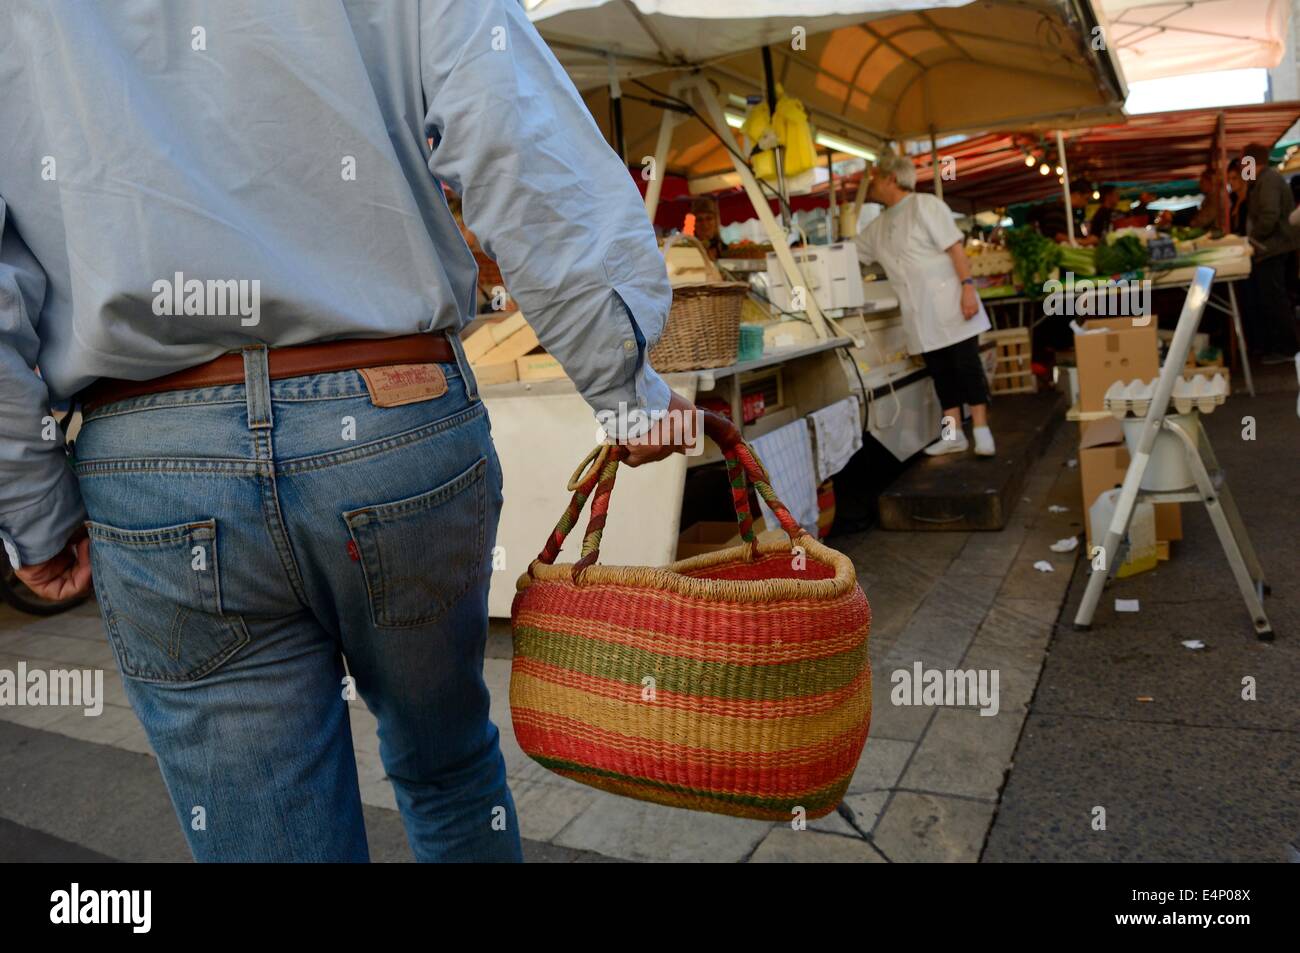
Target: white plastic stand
(1209, 485)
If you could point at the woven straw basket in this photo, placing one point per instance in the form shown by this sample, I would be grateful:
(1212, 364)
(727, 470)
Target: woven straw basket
(703, 327)
(735, 682)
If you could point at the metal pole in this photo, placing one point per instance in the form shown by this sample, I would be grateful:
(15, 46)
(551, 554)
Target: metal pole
(934, 165)
(833, 210)
(1221, 171)
(1065, 185)
(718, 123)
(616, 111)
(667, 122)
(778, 153)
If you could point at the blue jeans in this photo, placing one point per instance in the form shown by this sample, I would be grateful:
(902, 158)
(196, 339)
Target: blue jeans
(246, 540)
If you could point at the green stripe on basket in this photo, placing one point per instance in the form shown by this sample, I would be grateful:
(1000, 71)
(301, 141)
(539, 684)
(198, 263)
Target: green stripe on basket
(809, 800)
(622, 663)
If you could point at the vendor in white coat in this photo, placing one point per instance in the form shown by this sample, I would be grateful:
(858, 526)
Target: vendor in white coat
(914, 238)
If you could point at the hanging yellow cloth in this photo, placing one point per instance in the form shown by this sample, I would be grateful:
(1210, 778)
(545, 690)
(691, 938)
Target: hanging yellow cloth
(792, 131)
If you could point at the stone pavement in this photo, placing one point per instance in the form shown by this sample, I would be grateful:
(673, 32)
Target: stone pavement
(1129, 719)
(927, 787)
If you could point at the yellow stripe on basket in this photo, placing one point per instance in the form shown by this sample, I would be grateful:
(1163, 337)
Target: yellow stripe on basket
(645, 720)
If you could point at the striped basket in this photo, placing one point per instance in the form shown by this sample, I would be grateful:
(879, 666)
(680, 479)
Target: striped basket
(735, 682)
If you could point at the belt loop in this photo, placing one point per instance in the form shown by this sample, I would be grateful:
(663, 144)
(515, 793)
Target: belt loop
(257, 387)
(462, 362)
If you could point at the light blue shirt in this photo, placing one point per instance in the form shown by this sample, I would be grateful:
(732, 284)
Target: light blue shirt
(269, 161)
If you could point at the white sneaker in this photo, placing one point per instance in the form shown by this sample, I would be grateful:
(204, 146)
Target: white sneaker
(957, 444)
(984, 442)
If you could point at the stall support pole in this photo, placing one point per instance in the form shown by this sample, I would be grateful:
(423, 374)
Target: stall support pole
(778, 154)
(775, 233)
(1065, 184)
(616, 111)
(833, 212)
(856, 209)
(655, 184)
(934, 166)
(1221, 170)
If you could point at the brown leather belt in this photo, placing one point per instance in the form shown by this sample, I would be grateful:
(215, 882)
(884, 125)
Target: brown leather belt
(293, 361)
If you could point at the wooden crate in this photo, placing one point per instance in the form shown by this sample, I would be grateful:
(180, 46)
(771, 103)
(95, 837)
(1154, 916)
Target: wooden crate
(1013, 373)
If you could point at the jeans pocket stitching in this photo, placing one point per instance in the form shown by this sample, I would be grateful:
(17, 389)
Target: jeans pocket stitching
(375, 516)
(169, 644)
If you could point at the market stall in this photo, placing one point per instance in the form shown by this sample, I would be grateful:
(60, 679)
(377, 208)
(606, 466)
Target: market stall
(1000, 169)
(668, 83)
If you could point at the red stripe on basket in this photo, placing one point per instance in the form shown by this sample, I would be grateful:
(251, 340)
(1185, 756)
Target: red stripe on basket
(653, 610)
(786, 773)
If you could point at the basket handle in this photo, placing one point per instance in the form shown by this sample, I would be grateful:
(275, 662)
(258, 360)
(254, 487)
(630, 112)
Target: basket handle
(598, 470)
(711, 272)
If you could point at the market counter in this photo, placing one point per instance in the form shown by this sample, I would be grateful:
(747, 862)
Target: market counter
(543, 429)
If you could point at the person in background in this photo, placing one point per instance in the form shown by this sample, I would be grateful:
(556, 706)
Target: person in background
(707, 225)
(1238, 189)
(1268, 209)
(923, 254)
(1103, 219)
(1207, 216)
(1051, 222)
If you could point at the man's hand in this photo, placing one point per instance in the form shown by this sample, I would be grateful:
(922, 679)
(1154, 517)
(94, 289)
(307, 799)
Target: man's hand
(669, 434)
(970, 302)
(66, 576)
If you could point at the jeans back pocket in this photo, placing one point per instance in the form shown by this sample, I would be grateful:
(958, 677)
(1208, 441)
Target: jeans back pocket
(423, 553)
(160, 594)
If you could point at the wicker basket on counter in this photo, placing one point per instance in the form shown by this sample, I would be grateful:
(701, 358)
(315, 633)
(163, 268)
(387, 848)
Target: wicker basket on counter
(703, 327)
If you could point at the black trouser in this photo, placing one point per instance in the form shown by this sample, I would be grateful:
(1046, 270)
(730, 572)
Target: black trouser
(958, 373)
(1270, 321)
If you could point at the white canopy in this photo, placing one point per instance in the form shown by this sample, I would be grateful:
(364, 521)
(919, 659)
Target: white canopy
(891, 70)
(1158, 38)
(649, 36)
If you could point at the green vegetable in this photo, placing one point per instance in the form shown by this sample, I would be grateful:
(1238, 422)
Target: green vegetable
(1124, 254)
(1034, 257)
(1081, 261)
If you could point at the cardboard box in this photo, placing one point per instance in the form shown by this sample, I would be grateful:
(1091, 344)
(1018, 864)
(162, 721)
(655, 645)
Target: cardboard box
(485, 375)
(1123, 352)
(708, 536)
(489, 331)
(1103, 461)
(539, 367)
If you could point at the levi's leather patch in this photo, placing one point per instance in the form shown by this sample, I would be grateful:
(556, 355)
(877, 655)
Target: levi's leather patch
(397, 384)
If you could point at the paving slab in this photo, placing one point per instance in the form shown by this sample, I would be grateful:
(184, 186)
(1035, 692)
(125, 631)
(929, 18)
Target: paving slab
(881, 764)
(866, 808)
(545, 808)
(637, 830)
(784, 846)
(964, 753)
(930, 828)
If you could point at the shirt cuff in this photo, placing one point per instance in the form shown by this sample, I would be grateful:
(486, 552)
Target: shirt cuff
(41, 531)
(629, 410)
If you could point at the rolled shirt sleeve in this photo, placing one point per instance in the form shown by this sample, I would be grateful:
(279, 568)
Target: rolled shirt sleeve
(548, 200)
(40, 505)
